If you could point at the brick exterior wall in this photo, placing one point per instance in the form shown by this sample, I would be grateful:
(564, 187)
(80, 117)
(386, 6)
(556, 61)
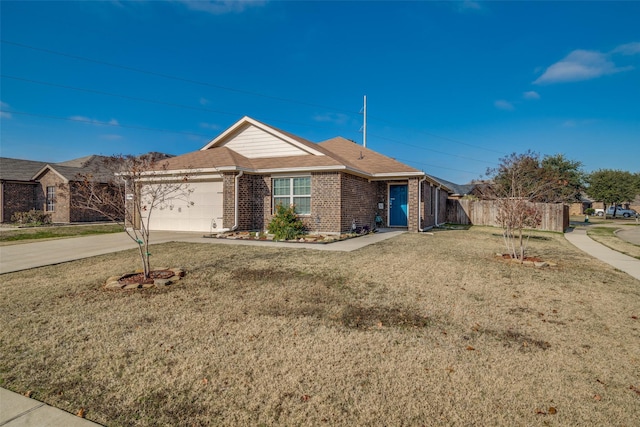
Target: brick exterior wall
(337, 199)
(359, 201)
(61, 212)
(17, 197)
(228, 199)
(325, 203)
(428, 205)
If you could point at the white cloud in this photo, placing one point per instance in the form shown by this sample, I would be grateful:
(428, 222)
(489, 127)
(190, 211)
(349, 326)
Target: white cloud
(628, 49)
(532, 94)
(336, 118)
(111, 137)
(112, 122)
(502, 104)
(469, 6)
(581, 65)
(220, 7)
(571, 123)
(5, 114)
(212, 126)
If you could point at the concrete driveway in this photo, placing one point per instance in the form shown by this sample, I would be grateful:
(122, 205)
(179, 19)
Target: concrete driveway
(49, 252)
(37, 254)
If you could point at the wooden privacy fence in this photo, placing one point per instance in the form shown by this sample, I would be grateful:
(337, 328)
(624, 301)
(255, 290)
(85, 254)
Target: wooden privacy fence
(555, 216)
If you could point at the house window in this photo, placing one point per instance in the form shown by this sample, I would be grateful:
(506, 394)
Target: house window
(293, 191)
(51, 199)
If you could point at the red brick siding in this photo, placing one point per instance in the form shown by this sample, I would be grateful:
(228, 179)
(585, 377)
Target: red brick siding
(17, 197)
(325, 203)
(228, 202)
(359, 201)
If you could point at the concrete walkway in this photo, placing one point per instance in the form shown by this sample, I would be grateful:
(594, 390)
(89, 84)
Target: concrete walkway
(20, 411)
(578, 237)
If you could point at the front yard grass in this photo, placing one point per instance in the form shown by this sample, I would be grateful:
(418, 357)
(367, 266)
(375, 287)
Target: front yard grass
(417, 330)
(29, 234)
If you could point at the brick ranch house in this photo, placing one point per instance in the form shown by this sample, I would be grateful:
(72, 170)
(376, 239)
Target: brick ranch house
(238, 179)
(48, 187)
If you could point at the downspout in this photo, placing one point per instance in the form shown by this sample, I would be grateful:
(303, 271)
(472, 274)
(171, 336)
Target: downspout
(420, 228)
(237, 203)
(237, 200)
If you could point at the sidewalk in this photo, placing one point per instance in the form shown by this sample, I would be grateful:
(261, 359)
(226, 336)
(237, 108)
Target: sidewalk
(20, 411)
(578, 237)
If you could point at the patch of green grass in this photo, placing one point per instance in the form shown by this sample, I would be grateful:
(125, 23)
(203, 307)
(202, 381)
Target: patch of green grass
(56, 232)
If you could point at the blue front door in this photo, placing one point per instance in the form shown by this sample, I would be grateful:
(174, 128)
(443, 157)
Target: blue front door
(398, 205)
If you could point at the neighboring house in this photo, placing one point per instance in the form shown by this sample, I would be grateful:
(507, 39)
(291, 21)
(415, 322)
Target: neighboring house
(17, 189)
(458, 191)
(238, 179)
(48, 187)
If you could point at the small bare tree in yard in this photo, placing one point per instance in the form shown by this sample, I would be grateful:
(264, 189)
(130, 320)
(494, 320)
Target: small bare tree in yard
(127, 190)
(520, 182)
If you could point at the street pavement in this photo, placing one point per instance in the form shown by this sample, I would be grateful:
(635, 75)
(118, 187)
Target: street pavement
(631, 235)
(578, 237)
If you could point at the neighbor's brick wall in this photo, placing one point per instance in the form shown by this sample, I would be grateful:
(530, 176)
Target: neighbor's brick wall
(17, 197)
(61, 209)
(77, 214)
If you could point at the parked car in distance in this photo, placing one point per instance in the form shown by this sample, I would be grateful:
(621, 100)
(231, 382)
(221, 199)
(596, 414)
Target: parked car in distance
(619, 211)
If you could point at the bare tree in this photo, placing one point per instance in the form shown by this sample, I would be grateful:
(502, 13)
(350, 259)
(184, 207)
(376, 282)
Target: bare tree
(520, 183)
(127, 189)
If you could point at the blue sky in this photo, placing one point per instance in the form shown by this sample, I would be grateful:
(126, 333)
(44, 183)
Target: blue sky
(451, 86)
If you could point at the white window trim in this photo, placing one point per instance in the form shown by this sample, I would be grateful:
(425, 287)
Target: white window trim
(291, 196)
(51, 199)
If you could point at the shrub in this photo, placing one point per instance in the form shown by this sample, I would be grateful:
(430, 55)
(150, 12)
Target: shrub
(32, 217)
(589, 211)
(285, 224)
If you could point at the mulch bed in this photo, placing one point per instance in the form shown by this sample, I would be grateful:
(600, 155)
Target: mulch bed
(139, 278)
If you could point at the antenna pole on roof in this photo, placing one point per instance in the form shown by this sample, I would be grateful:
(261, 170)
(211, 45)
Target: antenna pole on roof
(364, 124)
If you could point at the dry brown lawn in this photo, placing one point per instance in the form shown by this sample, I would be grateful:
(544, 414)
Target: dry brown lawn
(418, 330)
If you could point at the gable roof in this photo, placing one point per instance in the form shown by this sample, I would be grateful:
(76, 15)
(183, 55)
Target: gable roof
(289, 143)
(246, 146)
(18, 169)
(90, 165)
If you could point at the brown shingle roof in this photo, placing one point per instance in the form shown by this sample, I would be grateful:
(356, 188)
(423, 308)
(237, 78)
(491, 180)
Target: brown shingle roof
(361, 158)
(339, 153)
(216, 157)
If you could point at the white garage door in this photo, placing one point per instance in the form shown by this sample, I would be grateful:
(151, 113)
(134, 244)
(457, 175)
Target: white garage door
(195, 213)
